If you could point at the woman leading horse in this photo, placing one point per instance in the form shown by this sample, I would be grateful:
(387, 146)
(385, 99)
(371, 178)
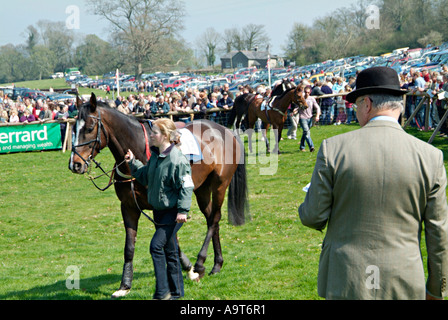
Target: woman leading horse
(222, 167)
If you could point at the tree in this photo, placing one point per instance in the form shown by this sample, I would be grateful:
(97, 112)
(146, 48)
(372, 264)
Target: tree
(208, 43)
(95, 56)
(13, 64)
(255, 36)
(140, 25)
(57, 38)
(42, 62)
(32, 37)
(247, 38)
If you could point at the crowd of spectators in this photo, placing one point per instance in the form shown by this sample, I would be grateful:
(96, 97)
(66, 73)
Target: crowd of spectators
(28, 110)
(336, 110)
(189, 105)
(195, 103)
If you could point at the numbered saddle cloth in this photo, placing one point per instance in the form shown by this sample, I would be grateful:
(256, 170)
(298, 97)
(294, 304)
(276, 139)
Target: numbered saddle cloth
(190, 146)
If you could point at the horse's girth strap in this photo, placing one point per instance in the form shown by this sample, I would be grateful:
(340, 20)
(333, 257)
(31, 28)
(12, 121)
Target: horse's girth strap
(148, 151)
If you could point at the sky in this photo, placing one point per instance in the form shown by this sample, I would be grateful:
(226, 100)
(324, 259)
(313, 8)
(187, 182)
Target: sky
(278, 17)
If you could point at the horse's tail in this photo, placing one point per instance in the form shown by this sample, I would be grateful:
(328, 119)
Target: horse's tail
(237, 202)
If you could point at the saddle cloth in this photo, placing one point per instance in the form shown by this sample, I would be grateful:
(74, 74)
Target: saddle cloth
(190, 146)
(267, 104)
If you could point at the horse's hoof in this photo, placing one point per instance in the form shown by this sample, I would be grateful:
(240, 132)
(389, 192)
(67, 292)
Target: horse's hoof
(193, 276)
(120, 293)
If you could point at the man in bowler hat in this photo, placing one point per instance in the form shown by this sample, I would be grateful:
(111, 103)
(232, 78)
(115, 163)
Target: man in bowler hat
(375, 190)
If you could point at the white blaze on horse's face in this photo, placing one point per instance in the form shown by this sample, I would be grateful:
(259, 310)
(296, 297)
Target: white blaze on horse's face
(80, 124)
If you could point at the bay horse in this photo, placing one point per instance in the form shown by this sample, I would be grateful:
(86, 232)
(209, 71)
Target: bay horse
(275, 114)
(242, 102)
(223, 166)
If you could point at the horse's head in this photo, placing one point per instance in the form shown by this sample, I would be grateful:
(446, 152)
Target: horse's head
(299, 98)
(89, 135)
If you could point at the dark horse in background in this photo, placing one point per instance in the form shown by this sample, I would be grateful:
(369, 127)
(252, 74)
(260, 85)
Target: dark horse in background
(242, 102)
(223, 166)
(273, 113)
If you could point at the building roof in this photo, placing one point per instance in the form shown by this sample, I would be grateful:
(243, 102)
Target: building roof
(251, 55)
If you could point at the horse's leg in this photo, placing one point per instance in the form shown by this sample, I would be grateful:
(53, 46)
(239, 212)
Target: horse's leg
(130, 218)
(278, 137)
(251, 119)
(264, 133)
(203, 196)
(238, 124)
(186, 264)
(218, 200)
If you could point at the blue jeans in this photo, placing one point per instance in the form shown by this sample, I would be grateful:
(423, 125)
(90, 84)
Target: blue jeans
(421, 114)
(350, 115)
(326, 114)
(306, 125)
(165, 257)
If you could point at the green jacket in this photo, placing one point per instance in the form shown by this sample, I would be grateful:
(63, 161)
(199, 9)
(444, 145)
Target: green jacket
(168, 178)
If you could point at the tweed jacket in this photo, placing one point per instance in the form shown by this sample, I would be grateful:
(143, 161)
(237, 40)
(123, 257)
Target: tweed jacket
(376, 190)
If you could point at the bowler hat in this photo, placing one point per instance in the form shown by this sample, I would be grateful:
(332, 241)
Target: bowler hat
(376, 80)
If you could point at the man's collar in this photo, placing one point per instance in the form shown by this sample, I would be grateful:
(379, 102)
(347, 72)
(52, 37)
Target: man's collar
(384, 118)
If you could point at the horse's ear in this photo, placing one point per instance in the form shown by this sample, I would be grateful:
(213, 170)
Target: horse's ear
(93, 102)
(78, 102)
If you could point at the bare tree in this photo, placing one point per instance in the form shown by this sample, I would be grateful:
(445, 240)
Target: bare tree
(246, 38)
(233, 39)
(208, 43)
(254, 35)
(141, 25)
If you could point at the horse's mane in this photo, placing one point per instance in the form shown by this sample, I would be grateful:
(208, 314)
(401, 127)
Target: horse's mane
(84, 111)
(286, 92)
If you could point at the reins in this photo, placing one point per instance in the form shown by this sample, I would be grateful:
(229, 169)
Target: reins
(111, 173)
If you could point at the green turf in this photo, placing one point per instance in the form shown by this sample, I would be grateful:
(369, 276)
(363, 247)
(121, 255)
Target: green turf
(51, 219)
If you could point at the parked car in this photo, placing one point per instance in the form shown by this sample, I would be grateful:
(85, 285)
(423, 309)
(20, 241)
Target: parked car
(34, 94)
(58, 75)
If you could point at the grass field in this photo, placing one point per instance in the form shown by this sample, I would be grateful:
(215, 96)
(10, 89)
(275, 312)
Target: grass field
(51, 219)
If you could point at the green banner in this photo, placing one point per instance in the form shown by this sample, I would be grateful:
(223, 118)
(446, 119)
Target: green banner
(30, 137)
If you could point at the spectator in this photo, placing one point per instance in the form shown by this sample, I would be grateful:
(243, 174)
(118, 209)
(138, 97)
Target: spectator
(444, 129)
(131, 104)
(420, 87)
(4, 118)
(340, 104)
(226, 88)
(306, 120)
(326, 104)
(161, 106)
(226, 102)
(349, 105)
(14, 118)
(191, 99)
(338, 85)
(45, 113)
(435, 86)
(317, 89)
(212, 104)
(374, 204)
(148, 114)
(200, 107)
(27, 116)
(184, 108)
(122, 107)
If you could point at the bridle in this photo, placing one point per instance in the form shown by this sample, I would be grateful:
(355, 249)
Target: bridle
(96, 142)
(297, 102)
(96, 146)
(110, 174)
